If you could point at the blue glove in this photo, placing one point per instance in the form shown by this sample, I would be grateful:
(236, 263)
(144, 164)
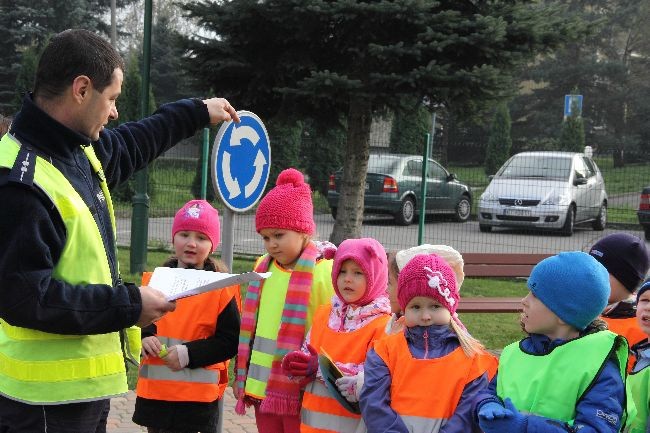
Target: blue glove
(491, 411)
(511, 420)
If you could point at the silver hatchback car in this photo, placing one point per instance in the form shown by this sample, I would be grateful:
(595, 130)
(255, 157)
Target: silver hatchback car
(545, 190)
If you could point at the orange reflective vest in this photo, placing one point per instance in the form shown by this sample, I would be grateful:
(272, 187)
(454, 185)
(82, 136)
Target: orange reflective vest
(628, 328)
(320, 411)
(195, 318)
(427, 408)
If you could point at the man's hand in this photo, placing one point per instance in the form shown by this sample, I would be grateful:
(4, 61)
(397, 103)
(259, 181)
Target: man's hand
(154, 306)
(220, 110)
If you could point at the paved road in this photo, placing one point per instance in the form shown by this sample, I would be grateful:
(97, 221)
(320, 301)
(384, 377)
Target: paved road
(464, 237)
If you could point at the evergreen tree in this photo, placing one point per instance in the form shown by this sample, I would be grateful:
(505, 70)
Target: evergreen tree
(322, 152)
(499, 143)
(411, 123)
(167, 78)
(128, 105)
(353, 58)
(609, 66)
(572, 136)
(26, 74)
(27, 24)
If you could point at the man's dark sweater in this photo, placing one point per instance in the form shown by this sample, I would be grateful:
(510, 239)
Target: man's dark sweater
(33, 235)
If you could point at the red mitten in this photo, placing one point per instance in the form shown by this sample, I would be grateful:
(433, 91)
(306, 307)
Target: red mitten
(298, 363)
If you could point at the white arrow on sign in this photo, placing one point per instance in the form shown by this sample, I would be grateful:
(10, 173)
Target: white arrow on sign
(231, 184)
(259, 164)
(243, 132)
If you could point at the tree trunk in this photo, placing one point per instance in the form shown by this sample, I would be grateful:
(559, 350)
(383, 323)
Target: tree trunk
(349, 216)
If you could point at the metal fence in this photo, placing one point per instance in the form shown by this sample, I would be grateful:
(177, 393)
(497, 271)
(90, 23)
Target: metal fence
(172, 178)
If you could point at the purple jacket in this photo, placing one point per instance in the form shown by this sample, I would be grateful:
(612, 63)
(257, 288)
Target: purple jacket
(375, 395)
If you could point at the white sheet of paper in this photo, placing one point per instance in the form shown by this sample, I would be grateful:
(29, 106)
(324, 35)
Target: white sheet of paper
(176, 283)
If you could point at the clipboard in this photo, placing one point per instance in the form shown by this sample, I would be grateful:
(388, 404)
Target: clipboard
(330, 373)
(178, 283)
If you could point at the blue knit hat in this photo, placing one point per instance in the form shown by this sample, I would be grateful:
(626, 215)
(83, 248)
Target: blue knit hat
(644, 288)
(573, 285)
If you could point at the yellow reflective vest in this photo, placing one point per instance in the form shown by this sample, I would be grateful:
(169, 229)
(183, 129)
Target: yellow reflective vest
(42, 368)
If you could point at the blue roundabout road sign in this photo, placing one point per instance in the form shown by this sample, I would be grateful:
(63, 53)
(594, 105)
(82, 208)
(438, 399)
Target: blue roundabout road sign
(241, 159)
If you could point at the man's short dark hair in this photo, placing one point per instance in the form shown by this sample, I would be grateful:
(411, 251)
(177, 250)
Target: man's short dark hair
(70, 54)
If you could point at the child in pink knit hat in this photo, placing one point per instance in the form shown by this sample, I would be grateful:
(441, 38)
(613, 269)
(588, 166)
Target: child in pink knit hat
(396, 262)
(279, 310)
(434, 348)
(197, 339)
(344, 330)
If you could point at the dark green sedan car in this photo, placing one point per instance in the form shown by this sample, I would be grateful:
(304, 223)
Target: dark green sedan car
(393, 186)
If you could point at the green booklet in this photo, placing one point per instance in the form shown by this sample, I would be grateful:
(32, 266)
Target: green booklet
(330, 373)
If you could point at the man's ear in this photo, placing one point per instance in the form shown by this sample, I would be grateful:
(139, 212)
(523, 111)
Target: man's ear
(81, 87)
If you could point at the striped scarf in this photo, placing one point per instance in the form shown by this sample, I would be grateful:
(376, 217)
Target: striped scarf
(282, 394)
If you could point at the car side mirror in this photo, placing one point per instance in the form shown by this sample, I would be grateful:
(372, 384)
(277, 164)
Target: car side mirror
(580, 181)
(451, 176)
(490, 177)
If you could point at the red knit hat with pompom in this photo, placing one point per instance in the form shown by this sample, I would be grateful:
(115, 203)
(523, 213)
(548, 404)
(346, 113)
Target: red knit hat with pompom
(288, 205)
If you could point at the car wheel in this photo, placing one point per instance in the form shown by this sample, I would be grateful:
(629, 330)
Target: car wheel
(463, 209)
(333, 210)
(647, 233)
(601, 220)
(484, 229)
(406, 213)
(567, 229)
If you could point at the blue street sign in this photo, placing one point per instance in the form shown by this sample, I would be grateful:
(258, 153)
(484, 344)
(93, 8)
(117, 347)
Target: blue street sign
(569, 100)
(241, 159)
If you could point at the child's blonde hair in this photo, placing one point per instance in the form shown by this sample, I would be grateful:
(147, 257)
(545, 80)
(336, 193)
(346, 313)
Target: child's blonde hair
(470, 345)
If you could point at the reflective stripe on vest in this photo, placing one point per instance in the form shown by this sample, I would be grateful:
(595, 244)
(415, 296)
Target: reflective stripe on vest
(259, 370)
(319, 409)
(42, 368)
(551, 385)
(638, 384)
(195, 318)
(420, 409)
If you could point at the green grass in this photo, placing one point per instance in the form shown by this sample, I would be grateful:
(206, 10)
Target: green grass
(494, 330)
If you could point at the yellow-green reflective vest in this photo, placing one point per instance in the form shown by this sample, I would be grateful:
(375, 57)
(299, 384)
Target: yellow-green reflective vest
(638, 383)
(39, 367)
(551, 385)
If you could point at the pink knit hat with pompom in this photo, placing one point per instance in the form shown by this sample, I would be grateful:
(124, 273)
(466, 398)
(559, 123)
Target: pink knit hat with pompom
(198, 216)
(371, 258)
(288, 205)
(431, 276)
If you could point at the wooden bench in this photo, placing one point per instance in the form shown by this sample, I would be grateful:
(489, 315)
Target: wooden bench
(489, 305)
(500, 265)
(496, 265)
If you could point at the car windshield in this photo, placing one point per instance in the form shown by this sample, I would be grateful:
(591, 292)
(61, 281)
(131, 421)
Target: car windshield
(382, 164)
(536, 166)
